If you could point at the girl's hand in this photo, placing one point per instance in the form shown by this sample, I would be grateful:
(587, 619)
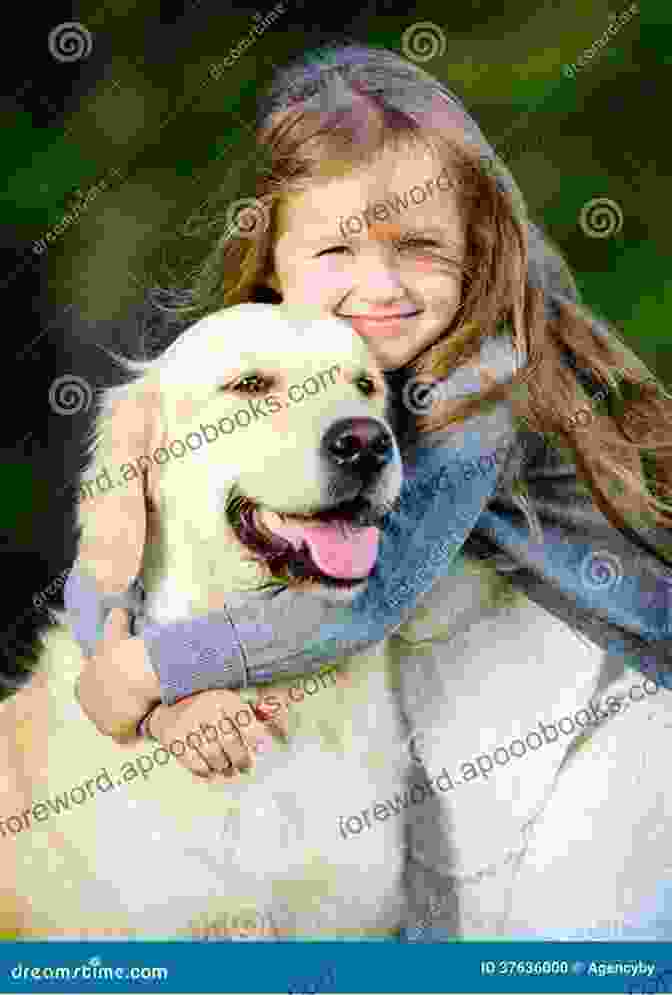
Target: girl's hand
(218, 731)
(118, 686)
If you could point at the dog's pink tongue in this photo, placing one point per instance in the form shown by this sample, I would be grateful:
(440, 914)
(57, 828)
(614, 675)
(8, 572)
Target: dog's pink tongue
(337, 548)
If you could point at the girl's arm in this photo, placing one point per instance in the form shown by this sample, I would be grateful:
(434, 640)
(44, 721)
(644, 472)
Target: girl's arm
(443, 500)
(260, 638)
(117, 687)
(612, 585)
(593, 576)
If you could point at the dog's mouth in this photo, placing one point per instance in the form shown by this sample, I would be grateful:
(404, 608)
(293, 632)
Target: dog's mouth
(337, 547)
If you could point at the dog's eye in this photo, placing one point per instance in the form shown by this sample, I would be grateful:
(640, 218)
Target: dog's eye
(366, 385)
(252, 384)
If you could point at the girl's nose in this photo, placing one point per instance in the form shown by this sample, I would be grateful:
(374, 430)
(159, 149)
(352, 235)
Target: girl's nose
(376, 278)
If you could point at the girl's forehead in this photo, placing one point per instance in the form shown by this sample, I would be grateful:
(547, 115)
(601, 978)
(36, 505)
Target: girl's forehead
(410, 176)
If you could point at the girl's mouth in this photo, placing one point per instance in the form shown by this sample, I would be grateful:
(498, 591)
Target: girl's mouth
(376, 327)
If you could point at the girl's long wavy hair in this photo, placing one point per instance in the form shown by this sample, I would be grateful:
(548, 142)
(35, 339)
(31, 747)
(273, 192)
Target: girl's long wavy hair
(336, 110)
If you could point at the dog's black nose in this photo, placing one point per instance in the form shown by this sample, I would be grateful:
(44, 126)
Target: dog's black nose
(362, 445)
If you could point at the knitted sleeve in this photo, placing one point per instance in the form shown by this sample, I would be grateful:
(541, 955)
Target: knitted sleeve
(259, 638)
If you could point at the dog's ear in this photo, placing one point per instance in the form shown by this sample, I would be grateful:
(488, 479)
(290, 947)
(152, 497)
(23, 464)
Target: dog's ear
(120, 479)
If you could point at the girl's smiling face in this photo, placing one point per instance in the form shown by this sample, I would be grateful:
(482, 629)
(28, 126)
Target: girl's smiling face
(397, 281)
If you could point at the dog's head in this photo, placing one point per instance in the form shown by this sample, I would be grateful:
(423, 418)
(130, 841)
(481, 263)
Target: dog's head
(275, 460)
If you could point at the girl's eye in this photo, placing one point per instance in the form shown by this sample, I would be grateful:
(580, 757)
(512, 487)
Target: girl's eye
(334, 248)
(366, 385)
(417, 242)
(252, 384)
(435, 251)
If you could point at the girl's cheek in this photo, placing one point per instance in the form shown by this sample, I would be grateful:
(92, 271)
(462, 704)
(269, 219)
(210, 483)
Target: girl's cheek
(432, 283)
(431, 267)
(424, 263)
(317, 286)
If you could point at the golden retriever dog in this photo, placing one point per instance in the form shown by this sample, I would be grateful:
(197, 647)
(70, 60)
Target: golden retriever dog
(95, 845)
(562, 789)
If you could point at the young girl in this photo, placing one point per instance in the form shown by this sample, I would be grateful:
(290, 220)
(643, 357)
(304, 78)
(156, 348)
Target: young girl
(450, 278)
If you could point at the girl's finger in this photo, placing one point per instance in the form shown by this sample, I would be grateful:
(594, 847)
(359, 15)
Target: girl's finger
(273, 719)
(243, 740)
(239, 750)
(117, 627)
(217, 759)
(195, 764)
(222, 752)
(203, 771)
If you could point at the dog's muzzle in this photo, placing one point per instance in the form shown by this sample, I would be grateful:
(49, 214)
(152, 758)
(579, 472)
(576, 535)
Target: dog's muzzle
(361, 446)
(337, 542)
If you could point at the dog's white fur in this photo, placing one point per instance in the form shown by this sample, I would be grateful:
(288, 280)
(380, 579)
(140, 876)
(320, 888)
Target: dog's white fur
(168, 857)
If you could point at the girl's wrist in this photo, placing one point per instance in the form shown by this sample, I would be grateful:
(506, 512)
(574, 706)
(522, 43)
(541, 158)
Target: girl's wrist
(144, 676)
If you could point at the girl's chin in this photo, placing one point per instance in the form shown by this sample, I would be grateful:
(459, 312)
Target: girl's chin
(393, 353)
(392, 356)
(390, 350)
